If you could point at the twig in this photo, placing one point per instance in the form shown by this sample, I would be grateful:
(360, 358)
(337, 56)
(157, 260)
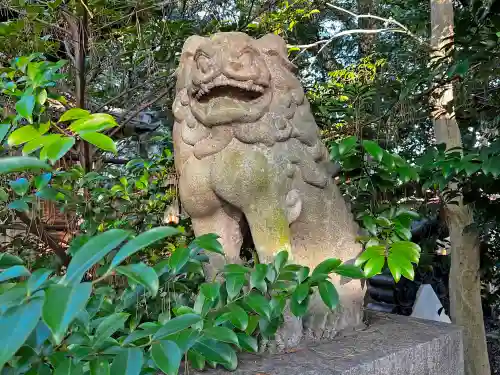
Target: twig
(37, 228)
(387, 21)
(161, 94)
(326, 42)
(87, 9)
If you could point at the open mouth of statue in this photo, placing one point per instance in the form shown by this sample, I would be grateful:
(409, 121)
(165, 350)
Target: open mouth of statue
(226, 100)
(238, 91)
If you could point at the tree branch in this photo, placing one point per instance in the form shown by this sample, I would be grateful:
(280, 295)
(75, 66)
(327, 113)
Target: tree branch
(387, 21)
(36, 227)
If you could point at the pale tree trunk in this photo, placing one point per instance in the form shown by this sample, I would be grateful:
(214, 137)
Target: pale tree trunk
(464, 286)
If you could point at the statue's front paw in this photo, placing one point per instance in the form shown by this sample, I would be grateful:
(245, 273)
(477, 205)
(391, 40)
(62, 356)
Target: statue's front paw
(321, 323)
(287, 337)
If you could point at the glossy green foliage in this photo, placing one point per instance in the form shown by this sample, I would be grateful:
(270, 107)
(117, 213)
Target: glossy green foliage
(98, 325)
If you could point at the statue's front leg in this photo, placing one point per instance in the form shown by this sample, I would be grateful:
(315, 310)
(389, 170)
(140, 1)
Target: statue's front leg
(245, 179)
(226, 224)
(210, 214)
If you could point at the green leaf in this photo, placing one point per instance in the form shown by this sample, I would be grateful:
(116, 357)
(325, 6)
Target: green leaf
(196, 360)
(108, 326)
(235, 268)
(459, 69)
(347, 144)
(19, 205)
(370, 252)
(407, 249)
(349, 270)
(271, 273)
(181, 310)
(38, 336)
(141, 241)
(100, 367)
(167, 356)
(210, 290)
(280, 260)
(44, 127)
(21, 164)
(37, 279)
(234, 283)
(302, 274)
(383, 222)
(42, 141)
(370, 225)
(4, 129)
(400, 264)
(22, 135)
(14, 272)
(96, 122)
(50, 194)
(299, 308)
(209, 242)
(42, 180)
(25, 107)
(99, 140)
(403, 232)
(56, 150)
(329, 294)
(11, 296)
(93, 251)
(258, 278)
(247, 343)
(395, 268)
(215, 351)
(267, 328)
(62, 305)
(327, 266)
(277, 304)
(4, 196)
(221, 334)
(374, 266)
(259, 304)
(185, 339)
(374, 150)
(141, 274)
(238, 316)
(138, 334)
(301, 292)
(74, 114)
(128, 362)
(176, 324)
(20, 186)
(67, 367)
(7, 260)
(253, 322)
(178, 259)
(41, 98)
(16, 325)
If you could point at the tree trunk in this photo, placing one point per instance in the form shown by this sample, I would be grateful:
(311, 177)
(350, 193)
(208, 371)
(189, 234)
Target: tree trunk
(366, 41)
(78, 26)
(465, 285)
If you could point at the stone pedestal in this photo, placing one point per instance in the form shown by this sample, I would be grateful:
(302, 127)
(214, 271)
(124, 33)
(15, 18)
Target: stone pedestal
(391, 345)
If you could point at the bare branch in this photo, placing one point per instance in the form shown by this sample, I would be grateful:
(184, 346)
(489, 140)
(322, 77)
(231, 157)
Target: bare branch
(387, 21)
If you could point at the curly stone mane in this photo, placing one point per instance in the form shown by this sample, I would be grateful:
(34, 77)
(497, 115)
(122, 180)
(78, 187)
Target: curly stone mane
(231, 86)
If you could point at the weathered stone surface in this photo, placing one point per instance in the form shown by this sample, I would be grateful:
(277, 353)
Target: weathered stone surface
(247, 150)
(391, 345)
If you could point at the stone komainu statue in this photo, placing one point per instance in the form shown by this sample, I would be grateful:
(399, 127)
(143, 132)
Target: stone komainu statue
(247, 150)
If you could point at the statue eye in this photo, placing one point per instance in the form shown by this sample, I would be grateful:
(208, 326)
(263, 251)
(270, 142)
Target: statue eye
(204, 64)
(246, 58)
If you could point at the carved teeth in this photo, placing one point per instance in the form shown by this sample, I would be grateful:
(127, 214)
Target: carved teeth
(223, 81)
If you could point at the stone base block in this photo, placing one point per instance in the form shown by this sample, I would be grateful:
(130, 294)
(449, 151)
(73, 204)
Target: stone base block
(390, 345)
